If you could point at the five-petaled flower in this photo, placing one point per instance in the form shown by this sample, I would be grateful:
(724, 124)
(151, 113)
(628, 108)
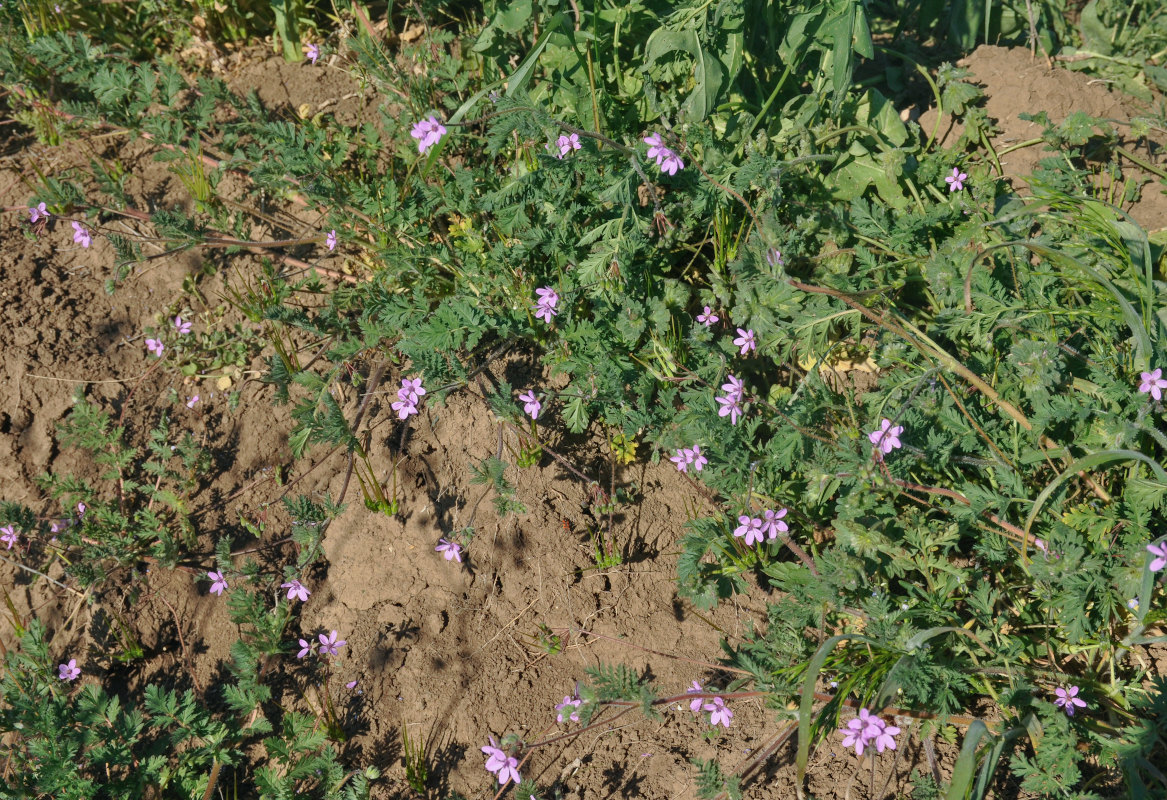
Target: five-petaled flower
(745, 340)
(668, 161)
(330, 240)
(1067, 699)
(886, 438)
(305, 648)
(296, 590)
(1152, 383)
(772, 523)
(80, 235)
(750, 528)
(182, 325)
(731, 403)
(313, 53)
(191, 402)
(719, 712)
(707, 317)
(218, 582)
(956, 180)
(9, 536)
(69, 671)
(545, 306)
(566, 144)
(531, 403)
(155, 346)
(569, 709)
(504, 766)
(452, 551)
(1157, 550)
(428, 132)
(37, 212)
(329, 644)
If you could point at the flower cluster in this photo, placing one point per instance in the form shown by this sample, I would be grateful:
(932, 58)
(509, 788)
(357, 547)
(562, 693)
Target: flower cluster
(566, 144)
(866, 729)
(668, 161)
(329, 645)
(1067, 699)
(769, 525)
(569, 709)
(719, 713)
(505, 767)
(687, 456)
(452, 551)
(545, 306)
(407, 397)
(428, 132)
(731, 403)
(886, 438)
(1152, 383)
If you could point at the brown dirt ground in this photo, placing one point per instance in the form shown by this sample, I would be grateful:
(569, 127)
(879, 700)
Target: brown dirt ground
(1014, 82)
(446, 650)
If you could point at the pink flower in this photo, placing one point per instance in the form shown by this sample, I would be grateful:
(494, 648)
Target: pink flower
(69, 671)
(182, 326)
(218, 582)
(567, 144)
(191, 402)
(330, 240)
(1157, 550)
(297, 590)
(774, 257)
(545, 306)
(329, 644)
(956, 180)
(313, 53)
(305, 648)
(451, 550)
(853, 735)
(696, 703)
(155, 346)
(750, 528)
(428, 132)
(707, 317)
(1066, 700)
(720, 714)
(885, 738)
(569, 709)
(668, 161)
(698, 460)
(9, 536)
(408, 397)
(351, 685)
(37, 212)
(495, 758)
(682, 459)
(531, 403)
(80, 235)
(734, 388)
(745, 340)
(1153, 383)
(867, 729)
(729, 407)
(772, 523)
(509, 771)
(886, 438)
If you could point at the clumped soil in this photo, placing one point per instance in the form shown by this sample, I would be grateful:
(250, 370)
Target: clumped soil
(451, 651)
